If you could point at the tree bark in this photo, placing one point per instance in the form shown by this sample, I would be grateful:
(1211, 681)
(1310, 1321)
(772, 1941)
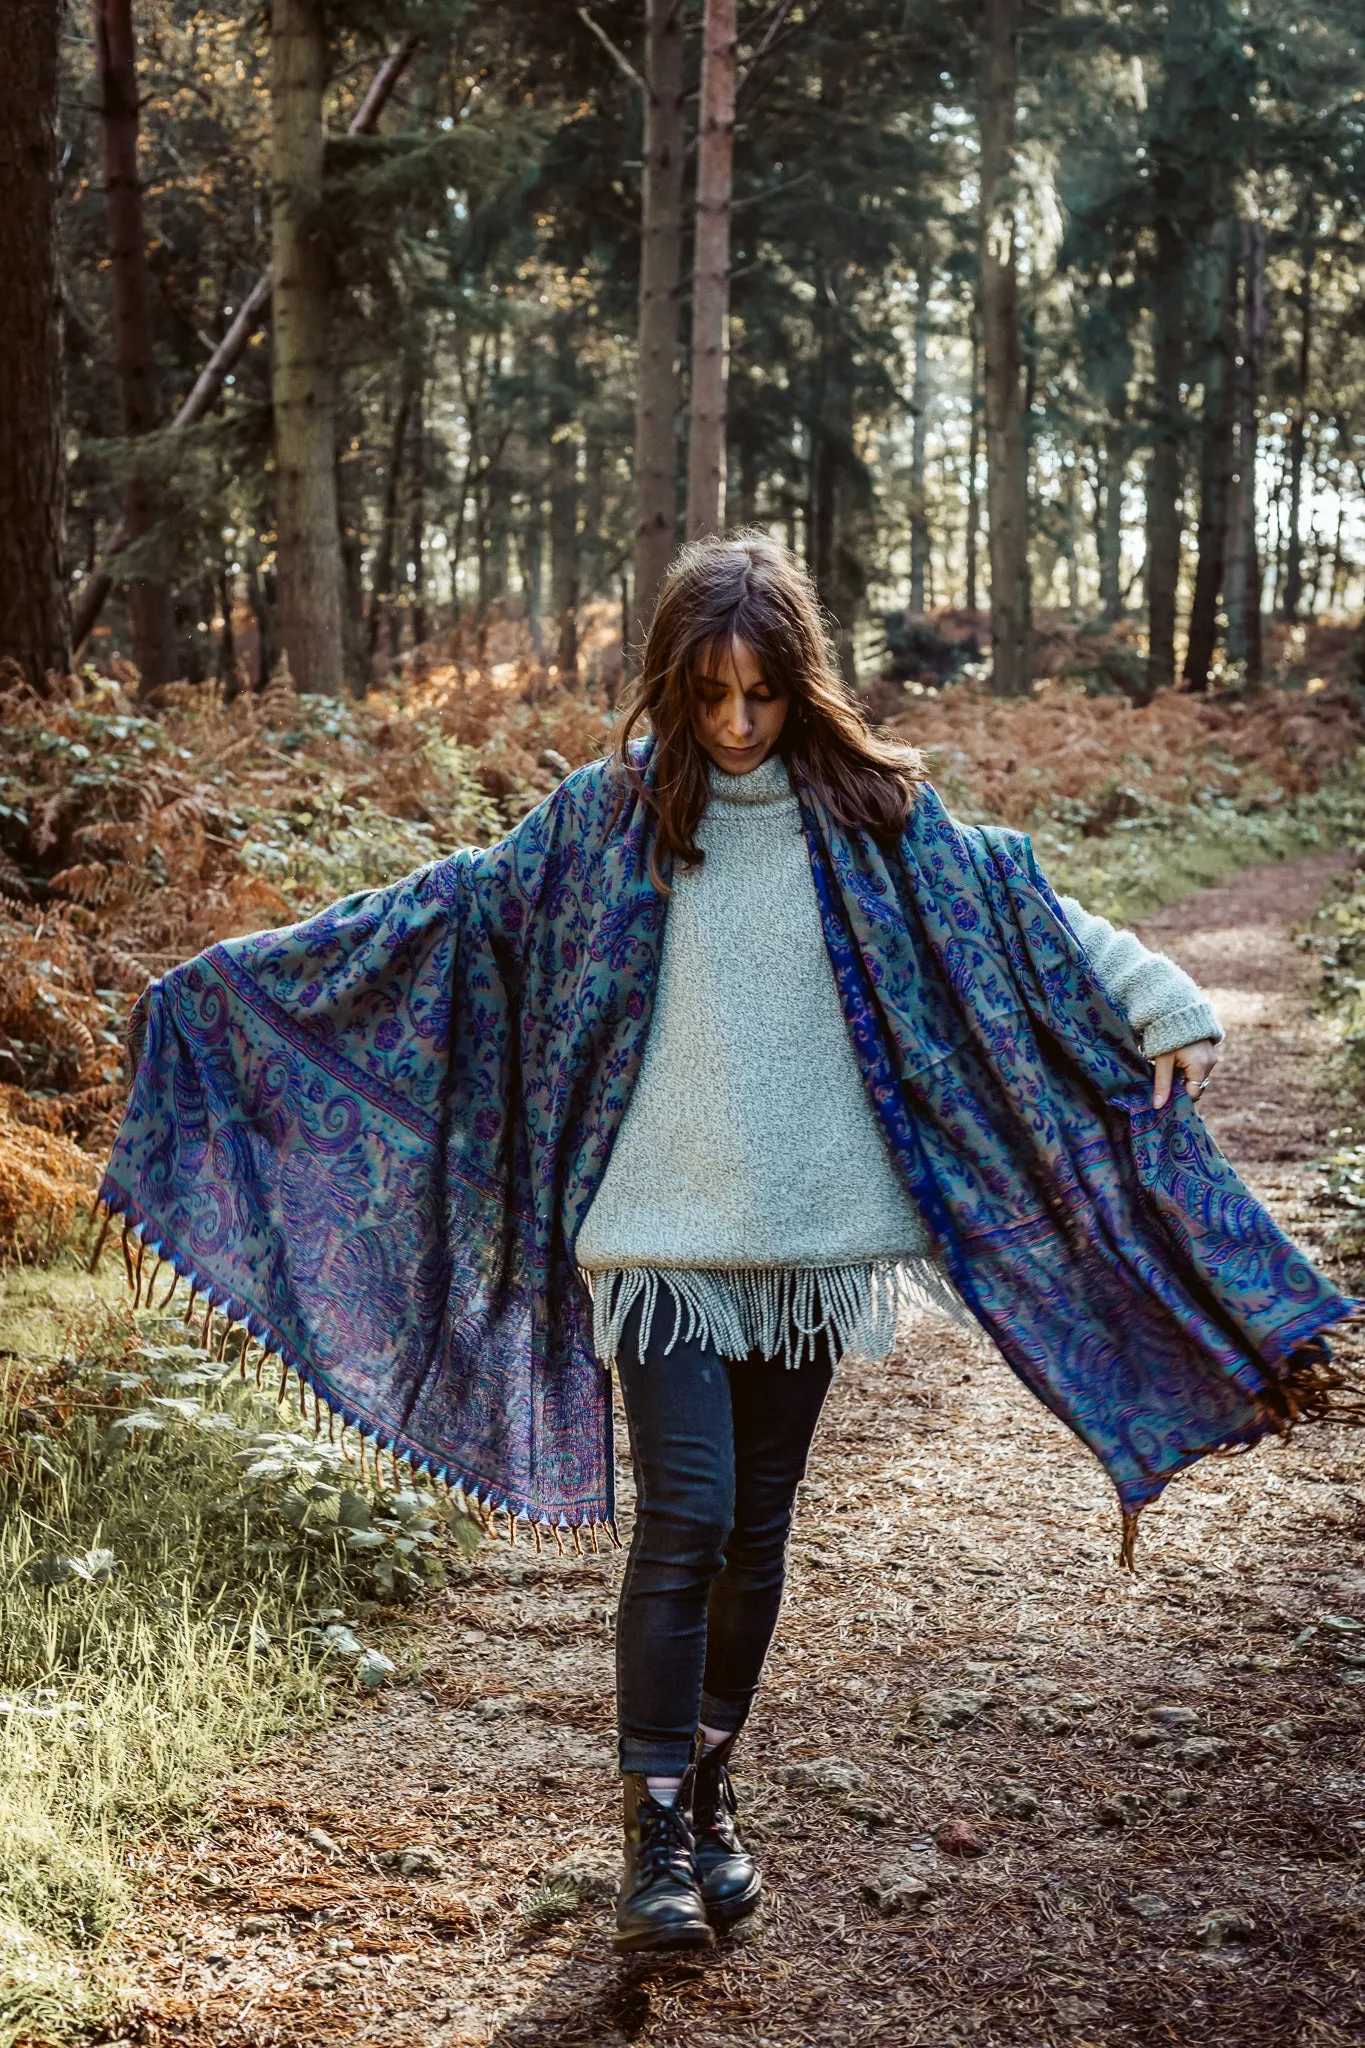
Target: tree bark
(307, 546)
(565, 562)
(1111, 528)
(35, 614)
(381, 582)
(836, 517)
(1243, 576)
(973, 467)
(1164, 474)
(1215, 473)
(1298, 438)
(711, 273)
(134, 345)
(919, 407)
(1254, 352)
(1006, 475)
(657, 391)
(417, 517)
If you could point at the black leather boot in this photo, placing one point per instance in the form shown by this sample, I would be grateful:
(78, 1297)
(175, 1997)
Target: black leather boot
(659, 1905)
(730, 1884)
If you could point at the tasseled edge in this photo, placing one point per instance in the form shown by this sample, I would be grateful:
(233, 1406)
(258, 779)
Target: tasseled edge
(495, 1514)
(1310, 1386)
(777, 1311)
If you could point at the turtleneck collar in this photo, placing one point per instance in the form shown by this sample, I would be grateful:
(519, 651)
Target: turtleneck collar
(769, 783)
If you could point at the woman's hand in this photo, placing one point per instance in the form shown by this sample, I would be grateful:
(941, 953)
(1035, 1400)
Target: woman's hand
(1196, 1062)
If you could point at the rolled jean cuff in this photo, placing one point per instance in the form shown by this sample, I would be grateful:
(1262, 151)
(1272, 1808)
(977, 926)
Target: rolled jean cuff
(727, 1715)
(655, 1759)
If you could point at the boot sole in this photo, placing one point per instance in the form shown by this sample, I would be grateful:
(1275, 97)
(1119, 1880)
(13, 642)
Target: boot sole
(652, 1942)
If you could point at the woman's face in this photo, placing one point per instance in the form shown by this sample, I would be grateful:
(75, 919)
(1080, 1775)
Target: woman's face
(737, 716)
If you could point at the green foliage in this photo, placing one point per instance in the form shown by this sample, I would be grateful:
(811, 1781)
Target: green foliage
(1144, 861)
(182, 1564)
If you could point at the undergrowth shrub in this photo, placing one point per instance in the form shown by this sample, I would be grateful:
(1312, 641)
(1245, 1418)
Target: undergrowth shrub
(181, 1562)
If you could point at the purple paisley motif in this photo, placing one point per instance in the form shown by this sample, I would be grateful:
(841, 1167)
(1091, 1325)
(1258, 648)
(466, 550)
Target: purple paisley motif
(372, 1137)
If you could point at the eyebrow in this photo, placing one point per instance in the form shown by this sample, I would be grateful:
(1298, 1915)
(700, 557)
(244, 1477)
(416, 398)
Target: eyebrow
(719, 682)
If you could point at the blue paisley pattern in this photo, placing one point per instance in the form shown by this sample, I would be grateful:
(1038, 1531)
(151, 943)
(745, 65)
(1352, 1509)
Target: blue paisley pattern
(1125, 1272)
(371, 1139)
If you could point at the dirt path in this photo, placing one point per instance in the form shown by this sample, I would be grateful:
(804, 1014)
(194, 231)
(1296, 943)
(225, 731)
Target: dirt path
(957, 1643)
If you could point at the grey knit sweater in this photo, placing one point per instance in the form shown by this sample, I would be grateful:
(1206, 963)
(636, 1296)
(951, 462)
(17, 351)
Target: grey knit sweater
(750, 1182)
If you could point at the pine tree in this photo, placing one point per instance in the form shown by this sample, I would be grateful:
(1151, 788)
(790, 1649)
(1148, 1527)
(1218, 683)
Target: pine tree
(35, 616)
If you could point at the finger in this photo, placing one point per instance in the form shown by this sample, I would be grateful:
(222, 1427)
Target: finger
(1162, 1078)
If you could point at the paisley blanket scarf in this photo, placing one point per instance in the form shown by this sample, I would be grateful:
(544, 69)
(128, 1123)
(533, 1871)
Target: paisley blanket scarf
(371, 1139)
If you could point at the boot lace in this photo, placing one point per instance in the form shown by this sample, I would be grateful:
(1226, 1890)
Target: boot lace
(715, 1805)
(665, 1844)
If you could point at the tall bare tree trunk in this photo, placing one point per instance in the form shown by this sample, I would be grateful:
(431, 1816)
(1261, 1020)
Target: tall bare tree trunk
(417, 516)
(1220, 390)
(1111, 527)
(381, 581)
(1164, 474)
(565, 560)
(657, 390)
(973, 466)
(919, 407)
(711, 273)
(1006, 471)
(1298, 439)
(35, 611)
(308, 544)
(1254, 351)
(134, 346)
(1243, 575)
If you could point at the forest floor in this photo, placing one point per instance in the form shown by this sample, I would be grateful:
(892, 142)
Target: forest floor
(1161, 1775)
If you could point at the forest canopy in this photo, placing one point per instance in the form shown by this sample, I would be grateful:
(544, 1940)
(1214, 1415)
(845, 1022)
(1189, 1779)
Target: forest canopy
(338, 330)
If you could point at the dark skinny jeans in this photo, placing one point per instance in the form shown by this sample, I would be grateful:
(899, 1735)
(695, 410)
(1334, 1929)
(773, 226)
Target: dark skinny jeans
(718, 1449)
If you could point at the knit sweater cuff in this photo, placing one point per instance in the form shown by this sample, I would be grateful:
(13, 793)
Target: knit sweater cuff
(1180, 1027)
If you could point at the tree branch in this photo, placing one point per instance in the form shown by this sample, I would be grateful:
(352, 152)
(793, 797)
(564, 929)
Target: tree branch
(230, 350)
(618, 56)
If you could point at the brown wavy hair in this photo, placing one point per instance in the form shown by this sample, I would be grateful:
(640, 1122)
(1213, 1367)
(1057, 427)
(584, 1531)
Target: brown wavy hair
(751, 589)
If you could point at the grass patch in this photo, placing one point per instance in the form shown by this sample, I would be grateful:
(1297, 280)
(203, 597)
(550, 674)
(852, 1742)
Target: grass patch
(1143, 862)
(182, 1565)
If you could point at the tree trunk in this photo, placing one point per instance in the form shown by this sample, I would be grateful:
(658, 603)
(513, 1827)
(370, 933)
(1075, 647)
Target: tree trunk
(417, 518)
(209, 384)
(919, 407)
(307, 545)
(836, 518)
(1254, 352)
(1243, 562)
(35, 612)
(1073, 538)
(530, 552)
(564, 539)
(1164, 475)
(1215, 473)
(1111, 527)
(1006, 477)
(1298, 434)
(656, 404)
(711, 273)
(134, 347)
(381, 582)
(973, 467)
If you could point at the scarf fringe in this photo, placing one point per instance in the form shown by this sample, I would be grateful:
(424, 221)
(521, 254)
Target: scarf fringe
(470, 1497)
(778, 1311)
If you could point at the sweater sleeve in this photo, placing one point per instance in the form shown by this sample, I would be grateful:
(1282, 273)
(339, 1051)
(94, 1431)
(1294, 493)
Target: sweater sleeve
(1164, 1005)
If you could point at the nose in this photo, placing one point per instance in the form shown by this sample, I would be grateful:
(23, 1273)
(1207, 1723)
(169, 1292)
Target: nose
(739, 717)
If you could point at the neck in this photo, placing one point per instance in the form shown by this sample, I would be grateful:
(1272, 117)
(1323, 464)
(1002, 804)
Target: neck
(768, 783)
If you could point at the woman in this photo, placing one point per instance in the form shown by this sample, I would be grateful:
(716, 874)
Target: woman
(737, 1042)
